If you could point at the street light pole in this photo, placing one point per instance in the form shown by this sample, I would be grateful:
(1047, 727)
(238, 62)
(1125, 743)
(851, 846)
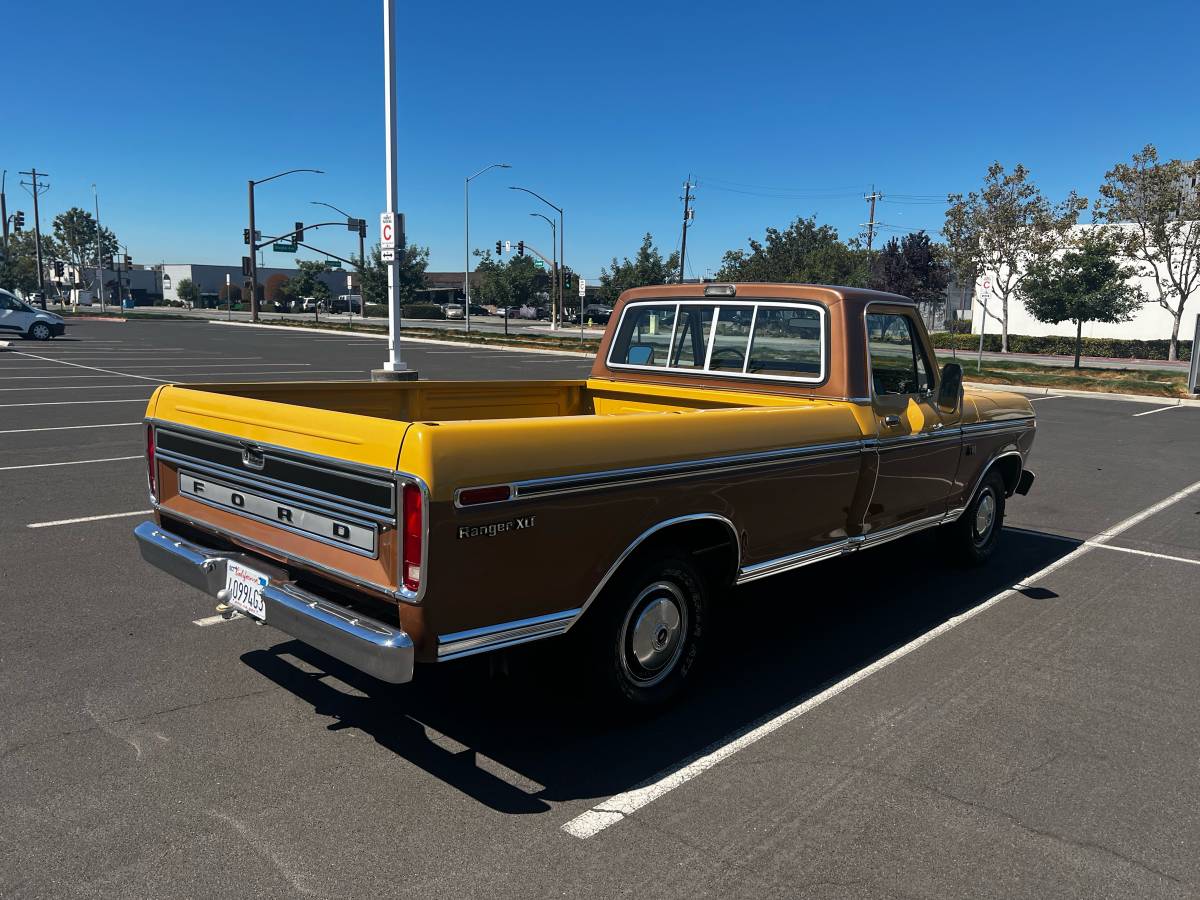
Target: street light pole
(554, 270)
(99, 249)
(562, 259)
(467, 237)
(254, 246)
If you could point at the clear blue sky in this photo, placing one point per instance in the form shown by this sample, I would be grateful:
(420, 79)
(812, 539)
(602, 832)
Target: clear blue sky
(778, 109)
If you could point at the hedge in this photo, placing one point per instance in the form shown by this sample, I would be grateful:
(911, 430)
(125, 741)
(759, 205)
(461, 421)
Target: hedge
(376, 311)
(1062, 345)
(422, 311)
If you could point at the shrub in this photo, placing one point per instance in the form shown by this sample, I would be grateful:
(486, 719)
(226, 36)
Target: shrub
(376, 311)
(1063, 345)
(423, 311)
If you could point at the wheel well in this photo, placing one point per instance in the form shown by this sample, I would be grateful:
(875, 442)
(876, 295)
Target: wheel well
(1009, 467)
(711, 544)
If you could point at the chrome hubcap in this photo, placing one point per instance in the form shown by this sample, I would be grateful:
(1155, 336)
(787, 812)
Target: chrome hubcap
(985, 515)
(653, 634)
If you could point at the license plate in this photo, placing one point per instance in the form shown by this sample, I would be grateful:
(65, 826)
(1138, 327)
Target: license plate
(244, 589)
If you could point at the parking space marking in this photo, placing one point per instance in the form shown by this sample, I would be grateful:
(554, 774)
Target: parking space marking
(73, 402)
(1050, 397)
(218, 619)
(70, 427)
(620, 806)
(87, 387)
(63, 362)
(73, 462)
(1182, 559)
(1151, 412)
(124, 515)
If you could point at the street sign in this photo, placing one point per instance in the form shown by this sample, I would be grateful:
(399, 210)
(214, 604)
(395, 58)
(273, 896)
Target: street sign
(387, 255)
(582, 288)
(508, 246)
(333, 263)
(387, 232)
(539, 264)
(286, 247)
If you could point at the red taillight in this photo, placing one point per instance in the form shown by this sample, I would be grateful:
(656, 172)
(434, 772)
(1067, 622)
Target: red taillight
(151, 469)
(412, 538)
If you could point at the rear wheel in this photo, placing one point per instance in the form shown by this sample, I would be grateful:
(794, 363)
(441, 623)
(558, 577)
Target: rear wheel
(974, 536)
(643, 642)
(40, 331)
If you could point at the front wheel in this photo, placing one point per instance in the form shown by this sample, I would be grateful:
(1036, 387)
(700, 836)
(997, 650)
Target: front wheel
(40, 331)
(974, 536)
(644, 640)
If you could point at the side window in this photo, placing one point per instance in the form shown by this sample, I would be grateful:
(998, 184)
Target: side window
(691, 337)
(645, 336)
(7, 302)
(731, 339)
(898, 363)
(786, 342)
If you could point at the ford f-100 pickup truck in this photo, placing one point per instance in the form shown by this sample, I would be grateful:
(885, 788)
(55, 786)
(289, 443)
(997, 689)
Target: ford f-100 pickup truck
(726, 433)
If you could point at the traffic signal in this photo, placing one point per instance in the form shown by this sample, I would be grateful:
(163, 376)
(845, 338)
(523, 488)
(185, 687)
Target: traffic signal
(246, 266)
(18, 221)
(566, 280)
(128, 262)
(58, 268)
(108, 262)
(498, 253)
(299, 233)
(245, 235)
(520, 248)
(362, 228)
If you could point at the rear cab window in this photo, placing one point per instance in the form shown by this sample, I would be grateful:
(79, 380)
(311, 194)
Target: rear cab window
(742, 339)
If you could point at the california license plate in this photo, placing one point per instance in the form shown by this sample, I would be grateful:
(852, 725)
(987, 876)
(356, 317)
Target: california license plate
(244, 589)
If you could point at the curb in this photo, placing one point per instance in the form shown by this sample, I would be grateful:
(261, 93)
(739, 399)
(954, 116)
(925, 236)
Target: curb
(407, 340)
(1099, 395)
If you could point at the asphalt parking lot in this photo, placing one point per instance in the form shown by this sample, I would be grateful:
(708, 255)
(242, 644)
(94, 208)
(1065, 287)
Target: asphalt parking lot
(891, 728)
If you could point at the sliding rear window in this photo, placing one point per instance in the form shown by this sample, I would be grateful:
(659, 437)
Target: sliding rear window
(759, 340)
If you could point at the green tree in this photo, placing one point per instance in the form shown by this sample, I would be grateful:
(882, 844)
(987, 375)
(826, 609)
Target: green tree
(1086, 284)
(410, 271)
(1153, 213)
(805, 253)
(18, 263)
(647, 267)
(1005, 228)
(75, 237)
(188, 291)
(515, 283)
(308, 283)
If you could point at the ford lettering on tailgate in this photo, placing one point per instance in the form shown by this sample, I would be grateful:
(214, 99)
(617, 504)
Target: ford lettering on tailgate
(278, 512)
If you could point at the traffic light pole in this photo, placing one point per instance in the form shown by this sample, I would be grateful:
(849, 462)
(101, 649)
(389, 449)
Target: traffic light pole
(37, 234)
(253, 258)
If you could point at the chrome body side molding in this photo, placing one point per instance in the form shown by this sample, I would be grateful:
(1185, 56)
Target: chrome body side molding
(506, 634)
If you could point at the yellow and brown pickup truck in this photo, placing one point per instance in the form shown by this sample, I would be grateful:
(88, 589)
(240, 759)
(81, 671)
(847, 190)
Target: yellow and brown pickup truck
(726, 433)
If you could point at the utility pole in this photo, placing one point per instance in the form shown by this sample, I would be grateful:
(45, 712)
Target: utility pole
(37, 234)
(4, 208)
(99, 249)
(687, 216)
(253, 257)
(870, 225)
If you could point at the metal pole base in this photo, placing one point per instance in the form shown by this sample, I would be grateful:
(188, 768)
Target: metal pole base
(389, 375)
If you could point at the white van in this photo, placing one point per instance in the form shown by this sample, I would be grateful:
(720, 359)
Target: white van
(19, 318)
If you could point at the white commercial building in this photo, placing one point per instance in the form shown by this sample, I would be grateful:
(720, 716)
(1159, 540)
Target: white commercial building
(1152, 322)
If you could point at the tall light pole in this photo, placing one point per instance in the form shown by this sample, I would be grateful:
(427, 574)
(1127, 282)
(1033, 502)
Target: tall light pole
(554, 255)
(562, 258)
(254, 248)
(467, 236)
(362, 233)
(99, 249)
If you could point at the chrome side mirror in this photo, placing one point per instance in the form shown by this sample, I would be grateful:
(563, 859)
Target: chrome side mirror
(950, 391)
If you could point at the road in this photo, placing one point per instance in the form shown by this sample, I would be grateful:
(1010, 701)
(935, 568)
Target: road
(881, 728)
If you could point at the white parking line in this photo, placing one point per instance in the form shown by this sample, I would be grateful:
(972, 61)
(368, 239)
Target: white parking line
(1182, 559)
(124, 515)
(86, 387)
(73, 402)
(70, 427)
(74, 462)
(1151, 412)
(1050, 397)
(218, 619)
(63, 362)
(618, 807)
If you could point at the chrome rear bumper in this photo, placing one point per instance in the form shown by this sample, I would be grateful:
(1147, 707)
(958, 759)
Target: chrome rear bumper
(367, 644)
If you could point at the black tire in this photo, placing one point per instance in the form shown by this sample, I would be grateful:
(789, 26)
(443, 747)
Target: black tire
(40, 331)
(973, 538)
(644, 637)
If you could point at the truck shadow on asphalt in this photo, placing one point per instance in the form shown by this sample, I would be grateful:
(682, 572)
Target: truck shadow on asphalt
(518, 741)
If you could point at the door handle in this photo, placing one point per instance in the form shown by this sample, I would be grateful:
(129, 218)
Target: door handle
(891, 421)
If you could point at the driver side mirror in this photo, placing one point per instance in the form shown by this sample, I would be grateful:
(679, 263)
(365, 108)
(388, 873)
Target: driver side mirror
(950, 391)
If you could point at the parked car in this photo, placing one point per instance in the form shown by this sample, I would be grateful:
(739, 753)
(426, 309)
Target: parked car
(480, 310)
(596, 313)
(454, 311)
(347, 302)
(19, 318)
(509, 312)
(388, 523)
